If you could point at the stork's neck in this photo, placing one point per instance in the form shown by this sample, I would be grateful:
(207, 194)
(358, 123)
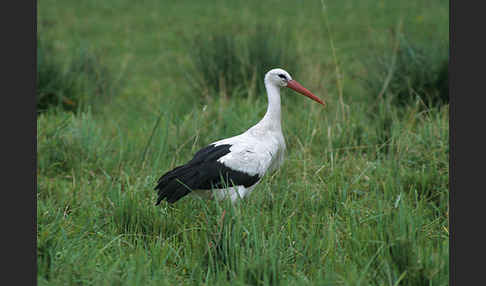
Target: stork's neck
(272, 118)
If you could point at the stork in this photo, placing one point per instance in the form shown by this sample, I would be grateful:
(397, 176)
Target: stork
(232, 167)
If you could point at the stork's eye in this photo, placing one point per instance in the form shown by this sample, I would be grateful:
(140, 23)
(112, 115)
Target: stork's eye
(282, 76)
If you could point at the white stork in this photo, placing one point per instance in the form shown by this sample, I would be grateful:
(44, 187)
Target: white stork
(232, 167)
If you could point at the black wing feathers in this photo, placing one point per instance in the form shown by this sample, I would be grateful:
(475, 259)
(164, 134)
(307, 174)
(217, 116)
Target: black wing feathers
(203, 172)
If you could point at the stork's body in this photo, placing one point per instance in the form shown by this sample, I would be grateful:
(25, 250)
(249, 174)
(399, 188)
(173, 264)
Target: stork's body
(232, 167)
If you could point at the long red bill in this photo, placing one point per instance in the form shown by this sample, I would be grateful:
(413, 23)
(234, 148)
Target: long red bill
(302, 90)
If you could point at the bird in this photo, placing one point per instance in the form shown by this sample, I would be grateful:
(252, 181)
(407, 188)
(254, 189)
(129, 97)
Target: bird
(232, 167)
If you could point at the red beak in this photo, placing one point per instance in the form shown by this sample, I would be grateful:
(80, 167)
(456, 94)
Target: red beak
(302, 90)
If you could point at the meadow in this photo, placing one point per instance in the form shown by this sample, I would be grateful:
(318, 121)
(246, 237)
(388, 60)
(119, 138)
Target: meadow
(363, 195)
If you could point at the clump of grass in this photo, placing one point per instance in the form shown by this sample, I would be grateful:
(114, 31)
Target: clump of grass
(269, 48)
(70, 142)
(127, 215)
(73, 84)
(384, 119)
(427, 171)
(412, 71)
(224, 63)
(238, 249)
(217, 63)
(50, 90)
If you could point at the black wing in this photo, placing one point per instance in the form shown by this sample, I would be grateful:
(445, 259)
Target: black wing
(203, 172)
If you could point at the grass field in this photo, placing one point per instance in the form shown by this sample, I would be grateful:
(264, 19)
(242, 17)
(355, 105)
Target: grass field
(362, 198)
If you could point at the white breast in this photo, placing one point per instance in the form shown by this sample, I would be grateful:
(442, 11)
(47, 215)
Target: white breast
(254, 154)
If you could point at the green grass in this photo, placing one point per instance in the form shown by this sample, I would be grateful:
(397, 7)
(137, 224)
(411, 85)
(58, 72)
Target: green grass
(409, 71)
(226, 64)
(362, 198)
(72, 83)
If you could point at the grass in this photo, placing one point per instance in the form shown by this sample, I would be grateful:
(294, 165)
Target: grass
(411, 71)
(75, 82)
(226, 64)
(362, 198)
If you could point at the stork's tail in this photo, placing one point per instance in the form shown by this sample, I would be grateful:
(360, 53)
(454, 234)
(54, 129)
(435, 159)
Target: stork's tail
(175, 184)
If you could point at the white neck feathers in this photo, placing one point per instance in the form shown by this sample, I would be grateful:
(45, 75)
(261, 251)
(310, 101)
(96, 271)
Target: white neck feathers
(272, 118)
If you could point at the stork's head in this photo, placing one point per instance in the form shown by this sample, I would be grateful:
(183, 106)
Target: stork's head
(281, 78)
(278, 77)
